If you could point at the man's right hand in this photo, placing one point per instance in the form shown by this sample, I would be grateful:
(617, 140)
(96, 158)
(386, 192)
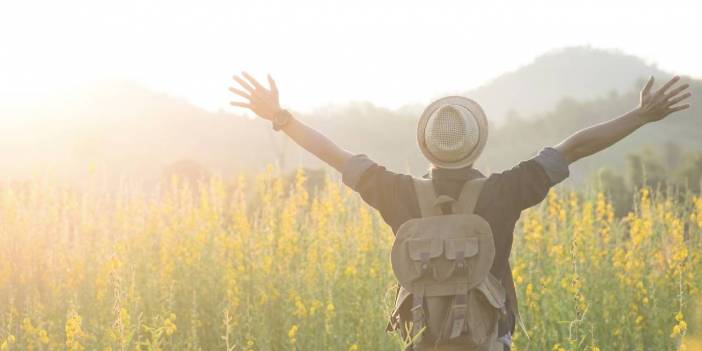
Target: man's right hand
(263, 102)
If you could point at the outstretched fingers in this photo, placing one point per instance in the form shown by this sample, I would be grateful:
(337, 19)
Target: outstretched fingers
(253, 81)
(274, 88)
(677, 99)
(647, 89)
(674, 98)
(240, 93)
(241, 104)
(244, 84)
(678, 108)
(666, 86)
(676, 91)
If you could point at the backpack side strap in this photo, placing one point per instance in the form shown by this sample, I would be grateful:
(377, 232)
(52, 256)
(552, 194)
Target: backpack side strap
(426, 197)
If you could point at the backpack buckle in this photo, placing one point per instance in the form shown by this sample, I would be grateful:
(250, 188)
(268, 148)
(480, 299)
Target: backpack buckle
(460, 261)
(458, 314)
(425, 262)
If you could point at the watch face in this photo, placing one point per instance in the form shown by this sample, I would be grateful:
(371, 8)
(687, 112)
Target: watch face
(282, 116)
(281, 119)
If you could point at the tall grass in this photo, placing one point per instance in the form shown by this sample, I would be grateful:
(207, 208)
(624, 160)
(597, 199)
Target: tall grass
(266, 265)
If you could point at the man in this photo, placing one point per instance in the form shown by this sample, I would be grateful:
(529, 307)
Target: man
(451, 134)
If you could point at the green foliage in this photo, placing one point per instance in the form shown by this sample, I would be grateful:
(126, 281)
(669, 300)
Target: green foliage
(690, 172)
(143, 133)
(668, 169)
(266, 265)
(617, 190)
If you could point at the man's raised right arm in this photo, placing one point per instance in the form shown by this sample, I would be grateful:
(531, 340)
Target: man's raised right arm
(265, 103)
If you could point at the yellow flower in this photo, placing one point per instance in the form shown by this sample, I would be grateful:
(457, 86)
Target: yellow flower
(292, 334)
(679, 316)
(5, 344)
(676, 331)
(74, 332)
(169, 325)
(300, 309)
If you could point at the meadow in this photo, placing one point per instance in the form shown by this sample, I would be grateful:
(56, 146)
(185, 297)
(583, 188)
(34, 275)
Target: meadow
(262, 263)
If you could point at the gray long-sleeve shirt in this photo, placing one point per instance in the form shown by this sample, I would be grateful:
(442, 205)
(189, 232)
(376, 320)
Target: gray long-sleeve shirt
(504, 196)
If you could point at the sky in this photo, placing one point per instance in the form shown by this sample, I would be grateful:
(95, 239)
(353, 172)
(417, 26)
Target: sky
(390, 53)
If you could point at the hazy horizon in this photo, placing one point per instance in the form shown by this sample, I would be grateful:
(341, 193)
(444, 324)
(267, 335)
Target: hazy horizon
(321, 54)
(134, 87)
(88, 86)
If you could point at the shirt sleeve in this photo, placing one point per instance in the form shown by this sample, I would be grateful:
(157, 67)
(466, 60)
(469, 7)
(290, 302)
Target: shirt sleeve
(554, 164)
(528, 183)
(378, 187)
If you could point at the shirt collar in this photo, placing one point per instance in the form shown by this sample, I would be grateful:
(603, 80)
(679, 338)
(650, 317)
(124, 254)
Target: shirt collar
(464, 173)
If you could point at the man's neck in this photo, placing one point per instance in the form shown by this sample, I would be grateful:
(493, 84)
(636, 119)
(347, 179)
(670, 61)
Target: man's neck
(464, 173)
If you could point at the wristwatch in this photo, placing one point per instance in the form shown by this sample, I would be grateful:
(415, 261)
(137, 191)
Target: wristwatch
(281, 119)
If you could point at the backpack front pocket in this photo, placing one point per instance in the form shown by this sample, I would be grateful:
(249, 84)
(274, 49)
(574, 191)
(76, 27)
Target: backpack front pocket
(481, 320)
(486, 304)
(421, 252)
(459, 253)
(459, 248)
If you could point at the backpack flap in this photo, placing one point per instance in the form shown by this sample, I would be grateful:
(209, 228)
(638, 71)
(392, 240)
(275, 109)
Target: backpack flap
(461, 248)
(421, 251)
(424, 247)
(431, 251)
(458, 252)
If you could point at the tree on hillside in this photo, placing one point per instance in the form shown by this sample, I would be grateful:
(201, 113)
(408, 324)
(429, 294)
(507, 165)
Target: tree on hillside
(690, 172)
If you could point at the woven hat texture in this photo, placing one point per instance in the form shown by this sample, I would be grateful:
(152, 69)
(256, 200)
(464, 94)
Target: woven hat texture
(452, 132)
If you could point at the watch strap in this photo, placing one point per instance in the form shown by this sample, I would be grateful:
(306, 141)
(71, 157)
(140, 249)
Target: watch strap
(281, 119)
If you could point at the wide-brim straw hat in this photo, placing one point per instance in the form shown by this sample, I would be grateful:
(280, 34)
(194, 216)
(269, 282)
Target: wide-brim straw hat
(452, 132)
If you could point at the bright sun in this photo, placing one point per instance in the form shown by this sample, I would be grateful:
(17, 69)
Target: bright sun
(320, 52)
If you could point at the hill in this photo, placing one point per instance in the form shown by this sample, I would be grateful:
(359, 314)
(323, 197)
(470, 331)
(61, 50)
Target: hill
(580, 73)
(122, 129)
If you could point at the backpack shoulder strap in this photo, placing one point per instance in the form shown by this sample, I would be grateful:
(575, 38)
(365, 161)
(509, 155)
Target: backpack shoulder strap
(469, 196)
(426, 197)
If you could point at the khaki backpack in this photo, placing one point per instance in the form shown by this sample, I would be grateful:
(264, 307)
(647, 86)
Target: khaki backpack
(443, 261)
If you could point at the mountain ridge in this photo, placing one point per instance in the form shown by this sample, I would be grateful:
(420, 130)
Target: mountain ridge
(127, 130)
(580, 72)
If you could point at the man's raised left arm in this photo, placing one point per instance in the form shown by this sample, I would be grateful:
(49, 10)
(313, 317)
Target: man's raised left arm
(653, 106)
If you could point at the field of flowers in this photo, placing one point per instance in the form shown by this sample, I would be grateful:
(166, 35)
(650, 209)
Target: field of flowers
(264, 264)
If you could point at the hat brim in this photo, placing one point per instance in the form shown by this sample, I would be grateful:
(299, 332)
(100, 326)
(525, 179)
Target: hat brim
(480, 118)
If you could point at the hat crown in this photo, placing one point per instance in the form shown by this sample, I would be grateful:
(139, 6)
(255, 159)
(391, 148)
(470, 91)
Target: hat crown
(451, 133)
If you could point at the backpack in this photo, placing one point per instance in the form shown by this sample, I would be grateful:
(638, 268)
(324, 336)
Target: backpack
(442, 263)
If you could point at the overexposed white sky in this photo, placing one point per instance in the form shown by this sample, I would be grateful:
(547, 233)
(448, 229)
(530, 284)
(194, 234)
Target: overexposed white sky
(320, 52)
